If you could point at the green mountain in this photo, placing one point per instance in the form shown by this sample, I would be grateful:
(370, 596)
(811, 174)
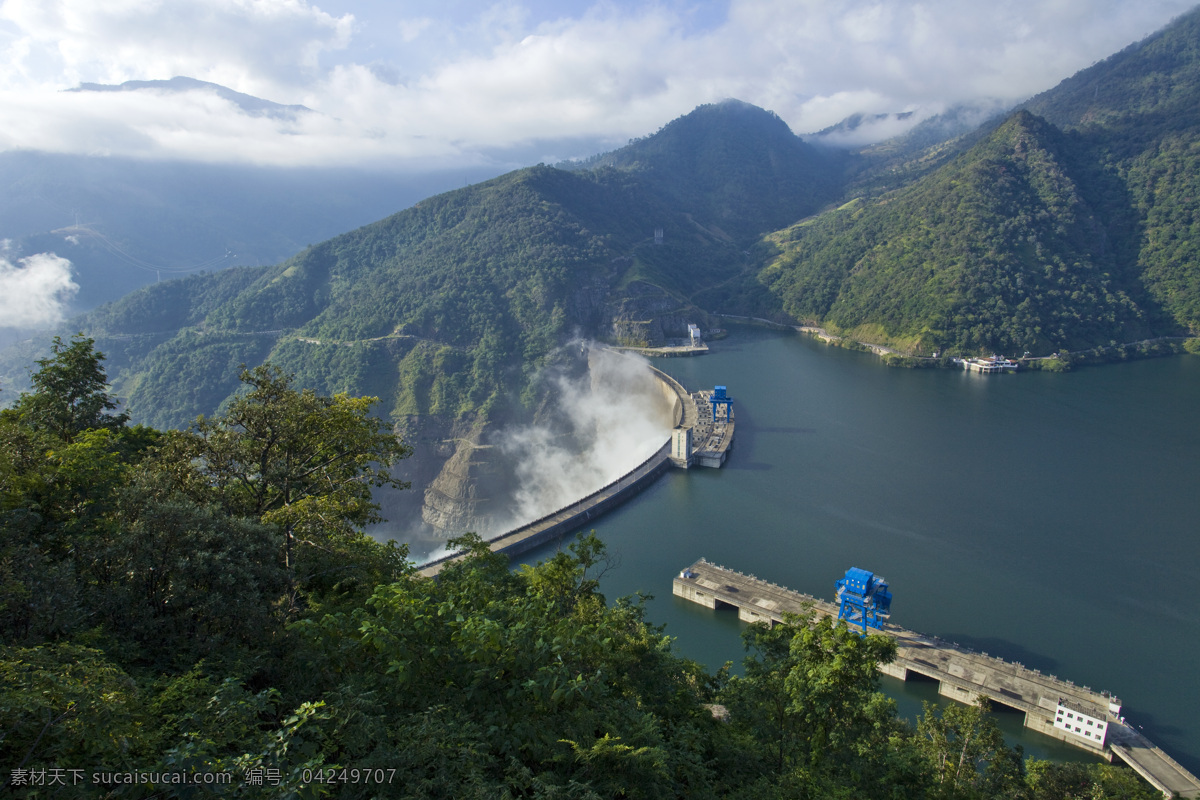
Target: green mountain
(449, 310)
(451, 306)
(1138, 114)
(738, 170)
(1005, 248)
(1068, 225)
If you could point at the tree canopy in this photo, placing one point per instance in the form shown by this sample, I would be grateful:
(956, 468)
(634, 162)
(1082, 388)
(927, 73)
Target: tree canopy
(154, 620)
(70, 392)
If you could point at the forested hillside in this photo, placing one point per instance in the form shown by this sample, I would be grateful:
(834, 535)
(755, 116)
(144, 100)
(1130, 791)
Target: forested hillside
(194, 614)
(1138, 112)
(733, 167)
(1069, 225)
(999, 250)
(451, 307)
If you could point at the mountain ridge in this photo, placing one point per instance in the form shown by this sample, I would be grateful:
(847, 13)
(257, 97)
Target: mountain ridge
(1020, 236)
(254, 106)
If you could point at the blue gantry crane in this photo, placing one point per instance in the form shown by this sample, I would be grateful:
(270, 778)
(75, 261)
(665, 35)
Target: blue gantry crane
(863, 599)
(719, 397)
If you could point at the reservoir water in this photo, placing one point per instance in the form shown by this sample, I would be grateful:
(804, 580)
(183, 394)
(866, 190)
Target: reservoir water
(1047, 519)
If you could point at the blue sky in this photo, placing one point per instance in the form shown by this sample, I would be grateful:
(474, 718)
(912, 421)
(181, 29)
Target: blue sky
(414, 85)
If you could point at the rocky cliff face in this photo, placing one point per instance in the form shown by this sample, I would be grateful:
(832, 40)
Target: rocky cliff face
(456, 478)
(467, 493)
(644, 315)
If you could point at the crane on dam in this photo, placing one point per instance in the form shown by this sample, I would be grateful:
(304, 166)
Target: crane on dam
(863, 599)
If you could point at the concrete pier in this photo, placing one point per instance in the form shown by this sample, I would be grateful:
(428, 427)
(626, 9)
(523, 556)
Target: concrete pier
(962, 674)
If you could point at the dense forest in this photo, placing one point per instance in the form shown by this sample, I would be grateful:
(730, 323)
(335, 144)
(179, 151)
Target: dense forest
(194, 613)
(1000, 250)
(1070, 224)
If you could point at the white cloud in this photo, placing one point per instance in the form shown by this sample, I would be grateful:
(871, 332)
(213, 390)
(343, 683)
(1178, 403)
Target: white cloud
(248, 45)
(35, 293)
(468, 78)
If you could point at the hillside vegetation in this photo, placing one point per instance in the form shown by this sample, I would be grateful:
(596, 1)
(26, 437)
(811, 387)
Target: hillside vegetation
(196, 604)
(999, 250)
(452, 306)
(1070, 224)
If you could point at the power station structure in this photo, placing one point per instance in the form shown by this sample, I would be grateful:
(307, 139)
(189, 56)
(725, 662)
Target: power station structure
(698, 441)
(863, 599)
(720, 398)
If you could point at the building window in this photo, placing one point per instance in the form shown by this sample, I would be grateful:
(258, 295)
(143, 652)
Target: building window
(1077, 729)
(1089, 722)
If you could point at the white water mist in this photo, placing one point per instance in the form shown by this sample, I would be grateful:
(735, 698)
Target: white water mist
(606, 423)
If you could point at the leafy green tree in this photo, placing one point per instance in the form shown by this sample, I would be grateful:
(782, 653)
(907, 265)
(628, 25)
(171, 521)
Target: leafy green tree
(1072, 781)
(56, 499)
(968, 753)
(527, 684)
(66, 705)
(70, 392)
(179, 582)
(300, 462)
(809, 701)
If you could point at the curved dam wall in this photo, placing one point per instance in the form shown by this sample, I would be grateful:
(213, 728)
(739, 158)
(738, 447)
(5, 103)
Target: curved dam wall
(673, 392)
(583, 511)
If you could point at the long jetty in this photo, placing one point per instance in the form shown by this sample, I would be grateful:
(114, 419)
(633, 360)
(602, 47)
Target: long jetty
(962, 674)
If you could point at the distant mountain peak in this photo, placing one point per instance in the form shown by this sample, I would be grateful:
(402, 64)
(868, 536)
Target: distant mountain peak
(251, 105)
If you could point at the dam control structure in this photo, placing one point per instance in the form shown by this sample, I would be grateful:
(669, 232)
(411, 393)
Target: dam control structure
(703, 437)
(1052, 706)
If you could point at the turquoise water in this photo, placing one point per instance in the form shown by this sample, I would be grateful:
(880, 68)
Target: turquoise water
(1048, 519)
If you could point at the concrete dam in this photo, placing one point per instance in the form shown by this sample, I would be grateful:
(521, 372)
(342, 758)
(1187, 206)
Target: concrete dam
(700, 417)
(1058, 708)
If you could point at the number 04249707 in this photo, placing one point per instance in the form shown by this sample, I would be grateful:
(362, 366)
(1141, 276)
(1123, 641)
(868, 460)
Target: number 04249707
(348, 775)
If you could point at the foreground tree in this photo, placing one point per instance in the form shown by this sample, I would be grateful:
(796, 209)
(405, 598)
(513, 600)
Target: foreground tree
(302, 463)
(968, 753)
(810, 706)
(70, 392)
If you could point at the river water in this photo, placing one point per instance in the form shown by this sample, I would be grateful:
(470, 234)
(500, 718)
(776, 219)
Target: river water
(1048, 519)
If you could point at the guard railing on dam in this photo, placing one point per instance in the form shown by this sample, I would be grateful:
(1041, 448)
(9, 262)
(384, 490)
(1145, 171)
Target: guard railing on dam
(583, 511)
(571, 517)
(962, 674)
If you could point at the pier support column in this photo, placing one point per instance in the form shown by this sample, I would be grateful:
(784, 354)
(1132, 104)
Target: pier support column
(962, 695)
(748, 615)
(688, 591)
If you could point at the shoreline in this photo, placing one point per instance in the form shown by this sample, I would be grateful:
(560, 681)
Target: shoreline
(1063, 361)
